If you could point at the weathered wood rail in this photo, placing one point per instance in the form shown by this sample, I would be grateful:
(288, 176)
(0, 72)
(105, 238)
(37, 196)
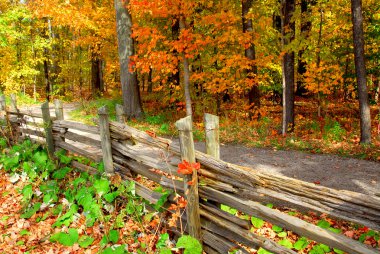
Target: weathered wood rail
(128, 151)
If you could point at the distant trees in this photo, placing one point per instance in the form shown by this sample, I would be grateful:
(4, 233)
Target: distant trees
(225, 54)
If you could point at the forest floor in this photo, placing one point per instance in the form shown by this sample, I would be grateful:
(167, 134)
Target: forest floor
(325, 169)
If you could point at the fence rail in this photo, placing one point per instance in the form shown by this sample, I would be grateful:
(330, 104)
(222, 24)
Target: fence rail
(129, 152)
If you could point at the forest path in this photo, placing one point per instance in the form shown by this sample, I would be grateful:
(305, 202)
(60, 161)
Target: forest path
(327, 170)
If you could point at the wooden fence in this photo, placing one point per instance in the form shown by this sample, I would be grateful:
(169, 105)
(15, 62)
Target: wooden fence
(130, 152)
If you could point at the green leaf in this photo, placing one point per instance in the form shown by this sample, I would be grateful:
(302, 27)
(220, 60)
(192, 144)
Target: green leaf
(40, 158)
(61, 173)
(130, 208)
(165, 251)
(263, 251)
(63, 158)
(24, 232)
(67, 218)
(162, 241)
(110, 197)
(85, 241)
(276, 229)
(104, 241)
(190, 244)
(337, 251)
(301, 244)
(31, 211)
(228, 209)
(335, 230)
(20, 243)
(131, 187)
(66, 239)
(286, 243)
(282, 234)
(102, 186)
(27, 192)
(257, 222)
(320, 249)
(115, 250)
(162, 200)
(324, 247)
(323, 224)
(11, 162)
(113, 236)
(269, 205)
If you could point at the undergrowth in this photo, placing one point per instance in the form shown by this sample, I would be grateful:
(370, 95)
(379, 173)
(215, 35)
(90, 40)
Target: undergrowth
(331, 134)
(54, 190)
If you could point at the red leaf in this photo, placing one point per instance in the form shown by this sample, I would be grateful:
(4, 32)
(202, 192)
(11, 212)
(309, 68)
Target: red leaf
(317, 182)
(186, 168)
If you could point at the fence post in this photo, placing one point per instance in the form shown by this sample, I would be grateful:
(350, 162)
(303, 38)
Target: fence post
(13, 102)
(212, 135)
(58, 109)
(184, 127)
(120, 116)
(105, 138)
(48, 128)
(2, 102)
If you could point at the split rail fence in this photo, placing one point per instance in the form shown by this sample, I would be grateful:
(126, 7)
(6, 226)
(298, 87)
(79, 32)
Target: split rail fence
(129, 152)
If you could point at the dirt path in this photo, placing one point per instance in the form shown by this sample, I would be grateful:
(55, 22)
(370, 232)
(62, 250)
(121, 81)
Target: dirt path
(327, 170)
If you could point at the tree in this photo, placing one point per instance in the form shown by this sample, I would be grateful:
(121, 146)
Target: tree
(287, 30)
(186, 72)
(254, 92)
(128, 77)
(365, 116)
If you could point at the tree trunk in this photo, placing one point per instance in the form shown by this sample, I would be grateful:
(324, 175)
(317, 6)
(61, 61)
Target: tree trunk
(254, 92)
(174, 79)
(150, 81)
(46, 74)
(186, 74)
(97, 86)
(305, 31)
(377, 91)
(287, 29)
(365, 116)
(129, 84)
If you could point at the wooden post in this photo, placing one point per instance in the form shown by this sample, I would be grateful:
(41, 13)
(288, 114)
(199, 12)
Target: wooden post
(48, 128)
(120, 116)
(2, 103)
(58, 109)
(105, 138)
(212, 135)
(13, 102)
(184, 127)
(212, 140)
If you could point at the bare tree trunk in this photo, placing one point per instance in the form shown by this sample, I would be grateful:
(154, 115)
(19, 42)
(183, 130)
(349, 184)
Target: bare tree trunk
(150, 81)
(96, 75)
(305, 31)
(174, 79)
(254, 92)
(287, 29)
(129, 84)
(186, 74)
(377, 91)
(365, 116)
